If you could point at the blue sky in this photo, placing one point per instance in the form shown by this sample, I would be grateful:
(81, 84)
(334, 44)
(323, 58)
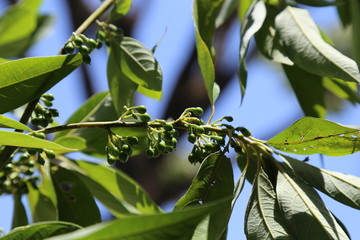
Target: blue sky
(268, 103)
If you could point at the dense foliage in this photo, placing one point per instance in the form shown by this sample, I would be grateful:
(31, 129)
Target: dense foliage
(61, 191)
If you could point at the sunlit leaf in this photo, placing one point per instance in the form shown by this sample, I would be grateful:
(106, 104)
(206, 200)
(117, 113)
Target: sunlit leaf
(312, 135)
(42, 198)
(304, 211)
(263, 219)
(342, 89)
(308, 89)
(6, 122)
(40, 231)
(205, 13)
(342, 187)
(122, 89)
(24, 80)
(75, 202)
(140, 66)
(251, 169)
(71, 142)
(252, 22)
(243, 7)
(214, 180)
(118, 192)
(24, 140)
(175, 225)
(228, 7)
(19, 213)
(120, 9)
(305, 46)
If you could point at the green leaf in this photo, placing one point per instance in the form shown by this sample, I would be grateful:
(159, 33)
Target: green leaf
(342, 89)
(251, 169)
(24, 140)
(75, 202)
(175, 225)
(267, 38)
(304, 211)
(243, 8)
(344, 13)
(205, 13)
(342, 187)
(42, 198)
(71, 141)
(308, 89)
(321, 3)
(263, 219)
(305, 46)
(19, 214)
(355, 21)
(140, 66)
(122, 89)
(24, 80)
(17, 24)
(96, 109)
(113, 188)
(120, 9)
(213, 181)
(40, 231)
(6, 122)
(312, 135)
(253, 21)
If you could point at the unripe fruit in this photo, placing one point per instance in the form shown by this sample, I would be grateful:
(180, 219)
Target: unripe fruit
(141, 109)
(123, 157)
(168, 126)
(197, 111)
(49, 154)
(69, 47)
(191, 138)
(78, 41)
(101, 35)
(150, 153)
(144, 117)
(244, 131)
(199, 130)
(92, 43)
(40, 160)
(84, 49)
(132, 141)
(111, 159)
(86, 58)
(229, 118)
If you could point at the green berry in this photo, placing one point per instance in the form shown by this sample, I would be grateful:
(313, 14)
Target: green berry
(69, 47)
(199, 130)
(86, 59)
(54, 112)
(49, 154)
(39, 135)
(244, 131)
(111, 159)
(84, 49)
(150, 153)
(92, 43)
(168, 127)
(161, 146)
(101, 35)
(229, 118)
(40, 160)
(32, 151)
(78, 41)
(141, 109)
(197, 111)
(126, 149)
(99, 44)
(144, 117)
(132, 141)
(123, 157)
(192, 138)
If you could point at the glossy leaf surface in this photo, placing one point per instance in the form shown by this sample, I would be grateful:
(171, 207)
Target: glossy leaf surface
(41, 231)
(24, 140)
(305, 46)
(24, 80)
(343, 188)
(120, 9)
(174, 225)
(6, 122)
(263, 219)
(304, 211)
(313, 135)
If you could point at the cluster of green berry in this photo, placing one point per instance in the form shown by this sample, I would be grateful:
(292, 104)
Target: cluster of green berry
(119, 147)
(83, 44)
(43, 116)
(107, 31)
(162, 139)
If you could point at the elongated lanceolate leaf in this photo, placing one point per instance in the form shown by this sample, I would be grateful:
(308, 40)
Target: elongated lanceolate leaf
(23, 140)
(26, 79)
(41, 231)
(342, 89)
(175, 225)
(121, 87)
(342, 187)
(355, 31)
(252, 22)
(19, 213)
(307, 49)
(140, 66)
(205, 14)
(321, 3)
(213, 181)
(308, 89)
(42, 198)
(313, 135)
(75, 202)
(263, 218)
(118, 192)
(6, 122)
(120, 9)
(304, 210)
